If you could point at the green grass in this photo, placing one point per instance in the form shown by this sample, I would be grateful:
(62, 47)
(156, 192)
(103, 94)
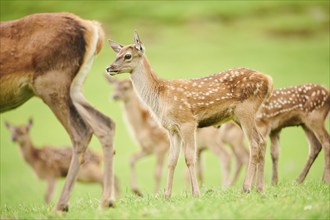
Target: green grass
(182, 41)
(306, 201)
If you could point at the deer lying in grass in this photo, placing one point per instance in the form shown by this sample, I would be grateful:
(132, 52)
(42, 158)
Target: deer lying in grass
(182, 105)
(49, 56)
(153, 139)
(306, 106)
(50, 163)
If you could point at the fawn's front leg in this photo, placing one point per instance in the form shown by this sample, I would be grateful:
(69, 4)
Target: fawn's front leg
(51, 182)
(176, 142)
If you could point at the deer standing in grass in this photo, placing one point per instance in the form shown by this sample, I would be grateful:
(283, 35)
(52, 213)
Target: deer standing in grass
(50, 163)
(49, 56)
(306, 106)
(153, 139)
(182, 105)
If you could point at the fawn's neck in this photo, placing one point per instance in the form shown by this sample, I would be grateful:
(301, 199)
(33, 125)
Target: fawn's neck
(147, 85)
(28, 151)
(135, 112)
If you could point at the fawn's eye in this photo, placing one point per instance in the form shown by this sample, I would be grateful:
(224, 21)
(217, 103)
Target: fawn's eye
(128, 56)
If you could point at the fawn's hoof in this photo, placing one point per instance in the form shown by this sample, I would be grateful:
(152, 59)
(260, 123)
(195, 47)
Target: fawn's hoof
(167, 195)
(260, 189)
(196, 194)
(111, 204)
(246, 189)
(107, 204)
(137, 192)
(62, 208)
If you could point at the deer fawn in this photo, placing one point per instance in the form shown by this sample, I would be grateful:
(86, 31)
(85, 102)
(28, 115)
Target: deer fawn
(153, 139)
(182, 105)
(229, 133)
(50, 163)
(306, 106)
(49, 56)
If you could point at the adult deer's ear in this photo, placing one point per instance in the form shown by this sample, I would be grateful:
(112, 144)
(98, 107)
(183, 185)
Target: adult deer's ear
(138, 44)
(115, 46)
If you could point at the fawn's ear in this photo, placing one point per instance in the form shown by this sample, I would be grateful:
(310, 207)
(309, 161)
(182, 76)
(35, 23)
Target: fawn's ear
(110, 79)
(138, 44)
(30, 123)
(115, 46)
(8, 125)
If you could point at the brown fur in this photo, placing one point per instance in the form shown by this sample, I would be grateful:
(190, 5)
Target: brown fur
(50, 163)
(153, 139)
(304, 105)
(182, 105)
(49, 55)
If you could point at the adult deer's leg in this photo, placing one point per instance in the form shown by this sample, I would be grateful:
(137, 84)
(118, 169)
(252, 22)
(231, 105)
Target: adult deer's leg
(104, 129)
(188, 132)
(134, 158)
(57, 97)
(174, 152)
(314, 150)
(274, 152)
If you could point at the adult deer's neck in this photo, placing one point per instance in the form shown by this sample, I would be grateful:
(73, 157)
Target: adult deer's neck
(147, 84)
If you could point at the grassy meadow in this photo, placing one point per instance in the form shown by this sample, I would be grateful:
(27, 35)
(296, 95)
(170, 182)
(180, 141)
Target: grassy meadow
(288, 40)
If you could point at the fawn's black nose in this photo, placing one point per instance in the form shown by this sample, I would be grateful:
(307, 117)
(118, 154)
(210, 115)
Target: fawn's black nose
(108, 69)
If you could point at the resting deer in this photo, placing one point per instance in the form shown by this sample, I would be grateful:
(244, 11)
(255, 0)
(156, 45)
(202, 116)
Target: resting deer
(49, 56)
(182, 105)
(50, 163)
(153, 139)
(306, 106)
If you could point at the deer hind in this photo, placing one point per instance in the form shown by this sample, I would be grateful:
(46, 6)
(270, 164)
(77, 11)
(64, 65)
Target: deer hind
(304, 105)
(50, 163)
(153, 139)
(49, 55)
(183, 105)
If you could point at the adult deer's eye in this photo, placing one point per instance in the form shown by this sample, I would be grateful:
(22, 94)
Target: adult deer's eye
(128, 56)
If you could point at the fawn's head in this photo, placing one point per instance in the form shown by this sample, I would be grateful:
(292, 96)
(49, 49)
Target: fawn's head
(19, 133)
(123, 89)
(128, 57)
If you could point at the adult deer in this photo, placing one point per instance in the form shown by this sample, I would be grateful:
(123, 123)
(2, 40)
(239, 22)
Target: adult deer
(49, 56)
(49, 163)
(306, 106)
(182, 105)
(153, 140)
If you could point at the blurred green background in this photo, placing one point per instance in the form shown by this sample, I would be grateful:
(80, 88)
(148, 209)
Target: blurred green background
(288, 40)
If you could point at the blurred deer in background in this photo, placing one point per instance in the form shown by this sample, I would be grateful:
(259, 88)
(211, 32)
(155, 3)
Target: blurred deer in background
(50, 163)
(49, 56)
(306, 106)
(182, 105)
(152, 138)
(228, 134)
